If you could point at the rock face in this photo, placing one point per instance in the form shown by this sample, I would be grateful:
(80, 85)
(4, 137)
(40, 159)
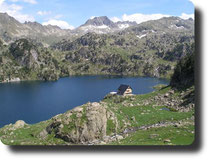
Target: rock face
(100, 21)
(25, 53)
(19, 124)
(11, 29)
(103, 24)
(82, 125)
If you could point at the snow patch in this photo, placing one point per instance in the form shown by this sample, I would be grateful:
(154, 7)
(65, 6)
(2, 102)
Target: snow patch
(123, 26)
(92, 27)
(102, 27)
(140, 37)
(176, 27)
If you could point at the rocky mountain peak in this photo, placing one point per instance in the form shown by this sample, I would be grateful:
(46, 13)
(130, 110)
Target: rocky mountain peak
(100, 21)
(5, 19)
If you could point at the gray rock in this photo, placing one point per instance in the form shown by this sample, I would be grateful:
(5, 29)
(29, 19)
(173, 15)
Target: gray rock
(153, 136)
(19, 124)
(82, 131)
(119, 137)
(133, 118)
(166, 140)
(43, 134)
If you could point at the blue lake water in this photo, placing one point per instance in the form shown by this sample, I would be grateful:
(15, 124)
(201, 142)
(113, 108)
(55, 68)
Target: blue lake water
(35, 101)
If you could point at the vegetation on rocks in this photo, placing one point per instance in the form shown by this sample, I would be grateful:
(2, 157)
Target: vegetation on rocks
(183, 76)
(151, 49)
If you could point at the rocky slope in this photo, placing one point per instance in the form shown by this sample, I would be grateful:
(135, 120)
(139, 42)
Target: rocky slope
(11, 30)
(103, 25)
(25, 60)
(148, 49)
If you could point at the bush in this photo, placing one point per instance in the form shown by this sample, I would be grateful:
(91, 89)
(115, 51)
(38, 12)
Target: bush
(183, 76)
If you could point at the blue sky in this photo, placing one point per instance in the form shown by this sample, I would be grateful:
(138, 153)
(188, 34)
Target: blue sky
(76, 12)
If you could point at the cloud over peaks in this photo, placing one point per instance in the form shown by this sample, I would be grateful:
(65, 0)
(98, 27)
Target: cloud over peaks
(139, 17)
(187, 16)
(59, 23)
(15, 11)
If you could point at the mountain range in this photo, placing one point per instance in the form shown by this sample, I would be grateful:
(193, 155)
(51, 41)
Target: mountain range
(31, 51)
(11, 29)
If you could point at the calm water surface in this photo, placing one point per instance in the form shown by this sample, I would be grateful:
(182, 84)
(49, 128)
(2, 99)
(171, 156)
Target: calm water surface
(37, 101)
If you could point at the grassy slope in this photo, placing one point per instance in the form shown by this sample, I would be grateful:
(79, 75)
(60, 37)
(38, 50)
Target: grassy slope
(183, 135)
(149, 115)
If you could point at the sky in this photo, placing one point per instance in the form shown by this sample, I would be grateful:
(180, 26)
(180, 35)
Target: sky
(69, 14)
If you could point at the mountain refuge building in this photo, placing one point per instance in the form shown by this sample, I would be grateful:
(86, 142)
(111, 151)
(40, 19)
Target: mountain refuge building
(124, 90)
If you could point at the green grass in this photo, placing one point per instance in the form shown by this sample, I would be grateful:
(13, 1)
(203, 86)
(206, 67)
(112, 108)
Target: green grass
(177, 135)
(29, 135)
(110, 127)
(146, 115)
(138, 115)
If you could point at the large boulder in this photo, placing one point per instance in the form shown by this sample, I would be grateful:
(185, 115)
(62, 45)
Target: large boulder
(19, 124)
(82, 125)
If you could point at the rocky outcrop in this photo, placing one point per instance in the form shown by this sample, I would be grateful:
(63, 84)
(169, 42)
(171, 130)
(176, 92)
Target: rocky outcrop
(19, 124)
(83, 125)
(25, 53)
(184, 103)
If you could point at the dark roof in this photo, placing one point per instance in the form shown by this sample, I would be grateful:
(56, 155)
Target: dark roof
(123, 87)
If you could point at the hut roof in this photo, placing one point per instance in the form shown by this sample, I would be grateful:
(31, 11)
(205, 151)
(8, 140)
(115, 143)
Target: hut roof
(123, 87)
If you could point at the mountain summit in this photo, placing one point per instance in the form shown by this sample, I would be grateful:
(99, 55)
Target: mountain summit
(100, 21)
(103, 25)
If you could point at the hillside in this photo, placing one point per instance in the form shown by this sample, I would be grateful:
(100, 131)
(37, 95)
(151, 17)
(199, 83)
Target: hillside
(147, 49)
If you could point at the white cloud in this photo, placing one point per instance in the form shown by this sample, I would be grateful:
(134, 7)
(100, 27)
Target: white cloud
(92, 17)
(60, 23)
(115, 19)
(187, 16)
(15, 11)
(13, 0)
(26, 1)
(192, 1)
(15, 7)
(30, 1)
(1, 1)
(139, 18)
(42, 13)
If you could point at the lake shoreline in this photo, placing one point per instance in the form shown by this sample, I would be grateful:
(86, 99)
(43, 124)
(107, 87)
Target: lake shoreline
(53, 97)
(78, 75)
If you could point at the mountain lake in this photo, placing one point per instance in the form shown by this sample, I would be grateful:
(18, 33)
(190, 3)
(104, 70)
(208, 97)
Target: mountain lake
(35, 101)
